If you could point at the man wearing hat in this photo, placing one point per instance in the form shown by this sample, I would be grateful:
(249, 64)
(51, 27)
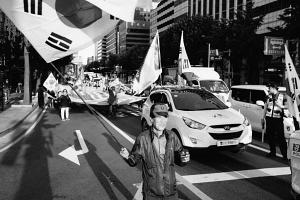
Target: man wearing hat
(273, 115)
(155, 148)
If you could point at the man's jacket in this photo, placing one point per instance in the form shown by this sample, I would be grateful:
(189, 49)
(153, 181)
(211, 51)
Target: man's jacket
(158, 179)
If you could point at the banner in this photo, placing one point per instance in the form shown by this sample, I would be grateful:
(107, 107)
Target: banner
(292, 86)
(57, 28)
(51, 83)
(95, 96)
(151, 69)
(183, 60)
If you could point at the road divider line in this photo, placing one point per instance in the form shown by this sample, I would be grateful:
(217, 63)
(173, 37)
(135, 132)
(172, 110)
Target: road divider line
(237, 175)
(263, 149)
(181, 179)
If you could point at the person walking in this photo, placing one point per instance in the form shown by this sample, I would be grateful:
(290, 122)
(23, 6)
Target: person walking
(112, 101)
(41, 101)
(65, 102)
(273, 117)
(154, 148)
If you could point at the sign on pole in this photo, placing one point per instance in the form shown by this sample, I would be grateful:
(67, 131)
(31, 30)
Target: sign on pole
(274, 46)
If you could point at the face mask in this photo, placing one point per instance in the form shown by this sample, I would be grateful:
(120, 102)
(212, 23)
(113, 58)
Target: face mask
(160, 123)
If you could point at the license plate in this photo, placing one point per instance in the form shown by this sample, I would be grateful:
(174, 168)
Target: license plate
(227, 142)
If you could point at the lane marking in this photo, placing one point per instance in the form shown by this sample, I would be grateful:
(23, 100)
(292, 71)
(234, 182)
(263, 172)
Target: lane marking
(71, 154)
(236, 175)
(27, 131)
(263, 149)
(181, 180)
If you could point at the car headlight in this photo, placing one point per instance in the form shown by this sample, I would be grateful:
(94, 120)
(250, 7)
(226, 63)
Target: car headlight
(246, 122)
(193, 124)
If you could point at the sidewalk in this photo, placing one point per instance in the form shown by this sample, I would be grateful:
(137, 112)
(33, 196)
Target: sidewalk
(15, 113)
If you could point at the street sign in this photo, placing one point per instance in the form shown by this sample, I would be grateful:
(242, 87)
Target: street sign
(274, 46)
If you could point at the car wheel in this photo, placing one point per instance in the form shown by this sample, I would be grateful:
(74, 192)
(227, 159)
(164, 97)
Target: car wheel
(145, 125)
(239, 148)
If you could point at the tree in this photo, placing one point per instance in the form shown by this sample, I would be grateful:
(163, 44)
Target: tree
(290, 30)
(246, 46)
(198, 32)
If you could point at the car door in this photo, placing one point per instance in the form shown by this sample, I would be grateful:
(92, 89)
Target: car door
(239, 99)
(255, 112)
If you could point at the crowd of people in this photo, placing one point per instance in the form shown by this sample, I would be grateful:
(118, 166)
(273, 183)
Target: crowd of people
(60, 101)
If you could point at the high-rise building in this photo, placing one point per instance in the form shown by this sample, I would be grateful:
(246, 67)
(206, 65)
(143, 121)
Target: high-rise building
(112, 41)
(101, 49)
(168, 11)
(131, 34)
(125, 35)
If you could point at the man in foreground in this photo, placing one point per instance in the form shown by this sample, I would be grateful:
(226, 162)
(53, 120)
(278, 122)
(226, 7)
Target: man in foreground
(154, 148)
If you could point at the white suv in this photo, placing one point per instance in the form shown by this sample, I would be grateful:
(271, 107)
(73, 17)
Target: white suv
(199, 118)
(247, 98)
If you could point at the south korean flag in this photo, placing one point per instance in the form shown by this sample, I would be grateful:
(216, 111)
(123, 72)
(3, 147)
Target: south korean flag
(57, 28)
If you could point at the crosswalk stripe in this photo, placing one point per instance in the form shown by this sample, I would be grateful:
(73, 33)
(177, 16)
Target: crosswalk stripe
(236, 175)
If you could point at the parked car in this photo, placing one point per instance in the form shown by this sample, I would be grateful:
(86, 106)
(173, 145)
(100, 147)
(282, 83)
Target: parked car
(199, 118)
(248, 100)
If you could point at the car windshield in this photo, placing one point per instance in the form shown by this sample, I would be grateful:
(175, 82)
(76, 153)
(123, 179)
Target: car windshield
(214, 86)
(194, 99)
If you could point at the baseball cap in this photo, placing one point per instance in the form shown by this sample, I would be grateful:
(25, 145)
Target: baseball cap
(159, 110)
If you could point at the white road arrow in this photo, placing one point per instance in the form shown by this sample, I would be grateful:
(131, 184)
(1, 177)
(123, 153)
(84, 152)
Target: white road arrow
(71, 153)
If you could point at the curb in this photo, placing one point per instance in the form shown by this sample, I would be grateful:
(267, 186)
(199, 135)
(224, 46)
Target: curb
(20, 122)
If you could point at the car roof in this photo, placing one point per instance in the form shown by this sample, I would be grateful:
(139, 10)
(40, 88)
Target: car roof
(256, 87)
(174, 88)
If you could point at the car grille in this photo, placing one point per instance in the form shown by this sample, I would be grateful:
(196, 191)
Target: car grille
(224, 125)
(226, 136)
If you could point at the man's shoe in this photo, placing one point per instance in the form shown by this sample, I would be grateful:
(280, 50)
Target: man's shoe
(63, 120)
(271, 155)
(68, 119)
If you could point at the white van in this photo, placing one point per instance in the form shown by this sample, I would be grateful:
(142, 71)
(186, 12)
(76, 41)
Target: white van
(210, 80)
(244, 98)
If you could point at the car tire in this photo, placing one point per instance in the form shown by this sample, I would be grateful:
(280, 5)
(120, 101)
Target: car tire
(145, 125)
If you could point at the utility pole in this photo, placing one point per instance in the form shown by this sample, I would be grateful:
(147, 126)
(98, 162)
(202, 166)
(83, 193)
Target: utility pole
(27, 91)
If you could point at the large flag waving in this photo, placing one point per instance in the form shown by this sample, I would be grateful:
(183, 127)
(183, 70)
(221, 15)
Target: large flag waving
(57, 28)
(151, 69)
(183, 60)
(293, 86)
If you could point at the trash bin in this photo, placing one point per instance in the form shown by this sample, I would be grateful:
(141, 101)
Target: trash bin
(294, 156)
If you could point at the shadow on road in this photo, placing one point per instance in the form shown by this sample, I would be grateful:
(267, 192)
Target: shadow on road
(35, 181)
(104, 175)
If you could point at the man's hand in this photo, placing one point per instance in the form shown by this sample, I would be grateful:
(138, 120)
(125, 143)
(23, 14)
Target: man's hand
(124, 153)
(185, 156)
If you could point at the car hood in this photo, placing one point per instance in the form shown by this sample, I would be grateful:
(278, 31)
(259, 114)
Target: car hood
(214, 117)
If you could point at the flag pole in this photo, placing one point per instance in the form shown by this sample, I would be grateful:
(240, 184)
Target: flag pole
(92, 110)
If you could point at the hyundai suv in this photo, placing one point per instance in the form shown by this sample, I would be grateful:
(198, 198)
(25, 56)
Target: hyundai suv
(199, 118)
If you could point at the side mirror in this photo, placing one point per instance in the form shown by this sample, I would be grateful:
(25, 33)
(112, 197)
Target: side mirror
(260, 103)
(228, 104)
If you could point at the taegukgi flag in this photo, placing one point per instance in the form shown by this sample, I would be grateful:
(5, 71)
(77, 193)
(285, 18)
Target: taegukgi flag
(292, 86)
(57, 28)
(151, 69)
(183, 60)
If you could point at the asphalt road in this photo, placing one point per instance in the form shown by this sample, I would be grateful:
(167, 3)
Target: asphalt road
(33, 170)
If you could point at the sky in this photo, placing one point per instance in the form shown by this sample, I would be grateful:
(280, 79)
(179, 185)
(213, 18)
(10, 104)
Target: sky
(85, 53)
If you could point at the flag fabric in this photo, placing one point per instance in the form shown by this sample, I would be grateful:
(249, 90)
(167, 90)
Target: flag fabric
(151, 69)
(51, 83)
(183, 60)
(57, 28)
(292, 86)
(94, 96)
